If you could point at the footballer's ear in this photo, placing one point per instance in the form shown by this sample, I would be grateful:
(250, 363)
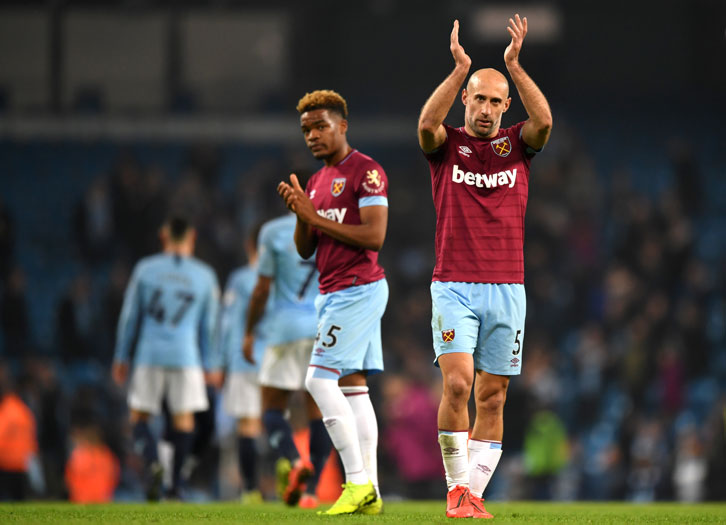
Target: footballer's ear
(464, 96)
(343, 125)
(506, 104)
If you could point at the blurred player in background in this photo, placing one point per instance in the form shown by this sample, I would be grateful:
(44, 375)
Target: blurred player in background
(480, 179)
(343, 213)
(241, 395)
(170, 312)
(289, 336)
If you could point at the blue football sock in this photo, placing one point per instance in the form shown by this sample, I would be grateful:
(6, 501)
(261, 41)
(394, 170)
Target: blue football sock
(247, 454)
(279, 435)
(320, 446)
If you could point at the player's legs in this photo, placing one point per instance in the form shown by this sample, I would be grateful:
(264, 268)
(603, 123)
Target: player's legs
(183, 422)
(319, 450)
(249, 427)
(143, 438)
(490, 392)
(355, 389)
(502, 308)
(186, 394)
(282, 372)
(348, 345)
(145, 442)
(339, 419)
(242, 400)
(182, 439)
(146, 391)
(277, 427)
(485, 446)
(248, 430)
(457, 372)
(292, 471)
(455, 328)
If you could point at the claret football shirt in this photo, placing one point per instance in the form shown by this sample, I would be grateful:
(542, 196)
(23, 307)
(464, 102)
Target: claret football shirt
(338, 192)
(480, 189)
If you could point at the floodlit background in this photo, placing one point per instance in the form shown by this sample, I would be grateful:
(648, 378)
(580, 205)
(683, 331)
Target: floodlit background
(113, 113)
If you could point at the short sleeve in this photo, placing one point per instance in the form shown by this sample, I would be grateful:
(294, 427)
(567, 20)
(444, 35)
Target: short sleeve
(437, 156)
(527, 150)
(131, 311)
(373, 187)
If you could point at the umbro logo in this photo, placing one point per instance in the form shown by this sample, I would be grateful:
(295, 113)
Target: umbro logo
(312, 194)
(451, 450)
(464, 150)
(483, 469)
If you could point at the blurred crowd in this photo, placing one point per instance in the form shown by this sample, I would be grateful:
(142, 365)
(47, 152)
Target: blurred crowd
(623, 391)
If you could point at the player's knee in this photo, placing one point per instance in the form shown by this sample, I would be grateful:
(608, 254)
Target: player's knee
(457, 387)
(183, 422)
(136, 416)
(311, 382)
(491, 402)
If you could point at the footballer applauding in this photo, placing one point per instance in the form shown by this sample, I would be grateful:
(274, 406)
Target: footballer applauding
(480, 180)
(343, 214)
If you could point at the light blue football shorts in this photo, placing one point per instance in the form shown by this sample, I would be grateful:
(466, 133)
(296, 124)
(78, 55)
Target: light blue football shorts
(485, 320)
(349, 330)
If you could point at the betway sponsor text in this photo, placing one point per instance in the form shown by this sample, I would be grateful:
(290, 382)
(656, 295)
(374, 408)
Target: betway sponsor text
(503, 178)
(334, 214)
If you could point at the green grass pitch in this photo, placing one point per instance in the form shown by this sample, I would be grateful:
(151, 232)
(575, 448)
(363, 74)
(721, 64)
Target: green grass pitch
(419, 513)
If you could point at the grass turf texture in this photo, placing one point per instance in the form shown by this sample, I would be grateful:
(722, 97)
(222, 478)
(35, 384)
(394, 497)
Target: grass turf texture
(419, 512)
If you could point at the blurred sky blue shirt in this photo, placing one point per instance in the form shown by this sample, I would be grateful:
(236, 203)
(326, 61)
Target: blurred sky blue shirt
(235, 304)
(169, 314)
(292, 313)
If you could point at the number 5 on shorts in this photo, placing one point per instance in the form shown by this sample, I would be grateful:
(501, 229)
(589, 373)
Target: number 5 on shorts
(518, 343)
(331, 335)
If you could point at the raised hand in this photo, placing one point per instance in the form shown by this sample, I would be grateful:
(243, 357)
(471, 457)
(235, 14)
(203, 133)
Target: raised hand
(296, 200)
(285, 191)
(460, 56)
(518, 30)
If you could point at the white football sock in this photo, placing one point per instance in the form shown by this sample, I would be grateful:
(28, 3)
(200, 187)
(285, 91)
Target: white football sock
(454, 454)
(483, 459)
(367, 425)
(340, 421)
